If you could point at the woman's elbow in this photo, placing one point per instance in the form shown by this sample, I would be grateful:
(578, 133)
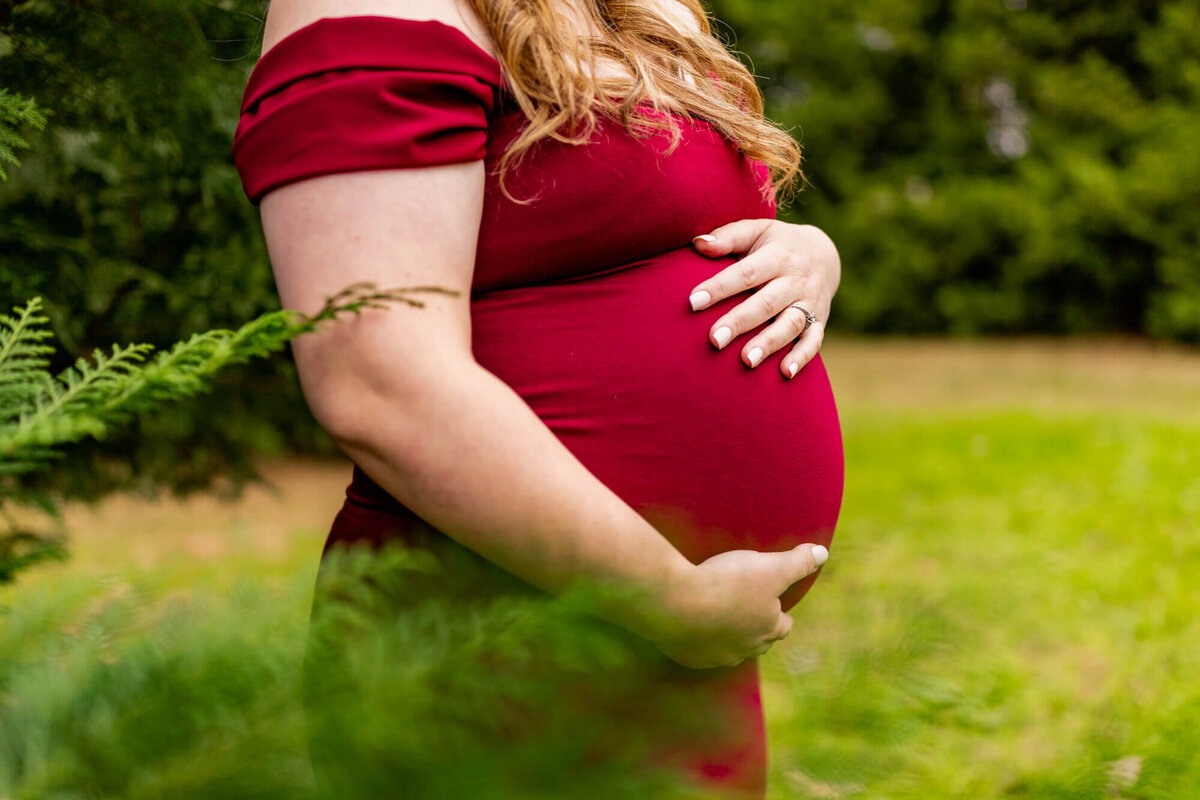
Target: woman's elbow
(345, 411)
(361, 407)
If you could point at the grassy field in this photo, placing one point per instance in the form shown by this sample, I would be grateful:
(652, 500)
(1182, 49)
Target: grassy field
(1010, 609)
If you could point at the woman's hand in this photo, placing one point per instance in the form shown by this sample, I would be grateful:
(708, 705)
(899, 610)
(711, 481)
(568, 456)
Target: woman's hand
(792, 264)
(727, 608)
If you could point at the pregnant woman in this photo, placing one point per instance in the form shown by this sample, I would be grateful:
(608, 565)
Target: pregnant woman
(596, 180)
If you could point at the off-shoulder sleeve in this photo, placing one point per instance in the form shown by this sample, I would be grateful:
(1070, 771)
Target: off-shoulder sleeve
(365, 92)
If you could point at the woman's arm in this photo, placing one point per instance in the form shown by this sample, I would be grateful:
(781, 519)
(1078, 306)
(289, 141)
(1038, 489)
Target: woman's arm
(402, 394)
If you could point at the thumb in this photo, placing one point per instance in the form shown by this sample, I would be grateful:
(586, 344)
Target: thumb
(782, 628)
(800, 562)
(736, 237)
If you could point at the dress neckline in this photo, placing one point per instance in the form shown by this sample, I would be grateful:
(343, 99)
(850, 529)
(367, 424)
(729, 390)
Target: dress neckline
(354, 20)
(372, 42)
(311, 44)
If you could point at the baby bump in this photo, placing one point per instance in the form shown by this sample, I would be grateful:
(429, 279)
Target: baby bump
(717, 456)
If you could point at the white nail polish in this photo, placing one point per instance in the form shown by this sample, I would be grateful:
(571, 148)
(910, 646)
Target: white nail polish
(722, 336)
(793, 368)
(755, 356)
(699, 300)
(820, 554)
(708, 237)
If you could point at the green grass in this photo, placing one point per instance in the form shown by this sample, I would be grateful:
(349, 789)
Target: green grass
(1010, 609)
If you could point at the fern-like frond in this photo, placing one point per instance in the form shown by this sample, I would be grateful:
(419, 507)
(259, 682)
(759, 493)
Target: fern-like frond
(22, 358)
(16, 110)
(40, 412)
(73, 405)
(88, 399)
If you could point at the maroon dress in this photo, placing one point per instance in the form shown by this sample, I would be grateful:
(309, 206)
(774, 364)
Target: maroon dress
(580, 303)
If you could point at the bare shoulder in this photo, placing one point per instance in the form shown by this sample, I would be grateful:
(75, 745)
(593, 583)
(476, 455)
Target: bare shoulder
(285, 17)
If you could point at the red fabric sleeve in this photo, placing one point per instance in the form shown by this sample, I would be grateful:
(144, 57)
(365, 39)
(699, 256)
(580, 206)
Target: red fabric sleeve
(366, 92)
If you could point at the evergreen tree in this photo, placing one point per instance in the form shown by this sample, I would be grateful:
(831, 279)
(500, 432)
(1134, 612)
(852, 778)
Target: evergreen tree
(128, 218)
(995, 166)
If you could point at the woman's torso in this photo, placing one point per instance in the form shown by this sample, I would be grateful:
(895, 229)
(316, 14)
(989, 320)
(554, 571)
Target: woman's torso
(579, 303)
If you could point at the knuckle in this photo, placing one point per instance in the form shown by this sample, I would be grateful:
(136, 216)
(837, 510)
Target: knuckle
(765, 342)
(763, 308)
(779, 298)
(775, 338)
(749, 271)
(737, 318)
(746, 316)
(726, 282)
(793, 261)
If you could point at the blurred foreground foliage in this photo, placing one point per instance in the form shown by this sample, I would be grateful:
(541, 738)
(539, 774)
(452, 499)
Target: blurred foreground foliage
(985, 166)
(473, 689)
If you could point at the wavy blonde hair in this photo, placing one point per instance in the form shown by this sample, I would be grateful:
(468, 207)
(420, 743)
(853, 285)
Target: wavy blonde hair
(673, 70)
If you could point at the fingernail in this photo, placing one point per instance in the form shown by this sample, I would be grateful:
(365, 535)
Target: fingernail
(820, 554)
(793, 368)
(722, 336)
(755, 356)
(708, 237)
(699, 300)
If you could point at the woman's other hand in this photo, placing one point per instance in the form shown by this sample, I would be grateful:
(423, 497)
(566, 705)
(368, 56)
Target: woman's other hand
(727, 608)
(792, 264)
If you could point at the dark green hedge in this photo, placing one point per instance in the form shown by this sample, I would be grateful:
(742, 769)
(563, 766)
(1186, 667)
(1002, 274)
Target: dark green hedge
(995, 166)
(127, 216)
(987, 166)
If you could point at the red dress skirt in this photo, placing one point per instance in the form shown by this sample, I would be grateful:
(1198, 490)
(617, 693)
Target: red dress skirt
(579, 303)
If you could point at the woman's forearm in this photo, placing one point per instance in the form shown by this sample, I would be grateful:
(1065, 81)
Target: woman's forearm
(468, 456)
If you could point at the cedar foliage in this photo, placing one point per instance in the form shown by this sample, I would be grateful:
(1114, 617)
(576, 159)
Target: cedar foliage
(127, 217)
(16, 111)
(41, 412)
